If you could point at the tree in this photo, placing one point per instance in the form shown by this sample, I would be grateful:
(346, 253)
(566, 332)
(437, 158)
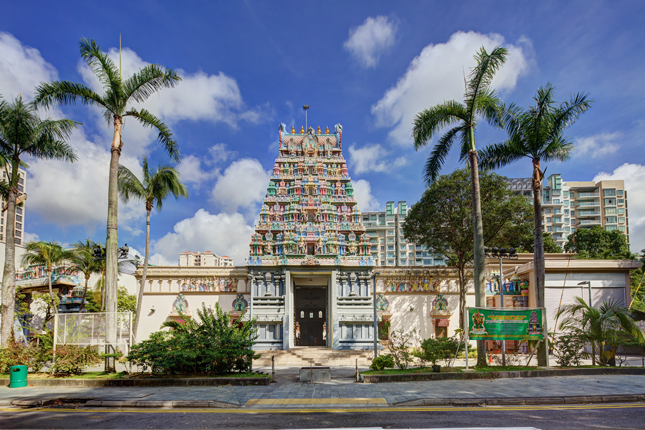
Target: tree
(83, 261)
(116, 101)
(48, 254)
(480, 101)
(603, 327)
(442, 220)
(598, 243)
(527, 242)
(637, 277)
(537, 134)
(24, 133)
(154, 189)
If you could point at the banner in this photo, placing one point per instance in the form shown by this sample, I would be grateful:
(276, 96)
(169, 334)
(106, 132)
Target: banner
(502, 324)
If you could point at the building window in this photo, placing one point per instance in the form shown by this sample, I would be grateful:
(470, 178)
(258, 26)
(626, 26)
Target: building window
(319, 312)
(621, 201)
(611, 219)
(573, 213)
(548, 228)
(611, 228)
(548, 219)
(621, 219)
(619, 193)
(609, 193)
(622, 228)
(19, 226)
(390, 247)
(610, 202)
(621, 211)
(19, 211)
(610, 211)
(427, 261)
(573, 230)
(548, 210)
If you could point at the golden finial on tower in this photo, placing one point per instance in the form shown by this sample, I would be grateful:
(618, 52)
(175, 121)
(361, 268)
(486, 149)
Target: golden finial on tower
(318, 130)
(293, 130)
(327, 130)
(302, 130)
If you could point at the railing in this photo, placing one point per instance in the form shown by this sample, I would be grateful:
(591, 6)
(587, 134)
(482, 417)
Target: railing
(588, 214)
(589, 222)
(588, 203)
(588, 194)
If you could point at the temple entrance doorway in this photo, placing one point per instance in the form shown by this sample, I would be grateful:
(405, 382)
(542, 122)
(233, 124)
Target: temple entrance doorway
(310, 310)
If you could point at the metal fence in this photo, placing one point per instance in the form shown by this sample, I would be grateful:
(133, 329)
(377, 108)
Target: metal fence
(90, 329)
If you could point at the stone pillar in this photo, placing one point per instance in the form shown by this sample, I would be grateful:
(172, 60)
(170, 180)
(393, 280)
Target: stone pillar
(336, 290)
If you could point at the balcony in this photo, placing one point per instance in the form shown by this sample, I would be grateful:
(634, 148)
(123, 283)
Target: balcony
(558, 220)
(587, 213)
(588, 204)
(587, 195)
(552, 203)
(589, 223)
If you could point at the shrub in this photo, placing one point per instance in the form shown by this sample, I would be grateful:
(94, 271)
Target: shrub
(213, 344)
(384, 329)
(400, 344)
(569, 348)
(382, 361)
(73, 359)
(31, 355)
(433, 350)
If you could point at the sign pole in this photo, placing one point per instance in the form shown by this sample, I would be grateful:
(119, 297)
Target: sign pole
(466, 334)
(546, 336)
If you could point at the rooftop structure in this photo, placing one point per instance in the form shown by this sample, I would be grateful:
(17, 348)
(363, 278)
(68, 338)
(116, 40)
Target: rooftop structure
(204, 259)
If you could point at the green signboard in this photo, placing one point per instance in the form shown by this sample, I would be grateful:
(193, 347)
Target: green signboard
(503, 324)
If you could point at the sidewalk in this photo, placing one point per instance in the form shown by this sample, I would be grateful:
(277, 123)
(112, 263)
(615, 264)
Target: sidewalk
(342, 391)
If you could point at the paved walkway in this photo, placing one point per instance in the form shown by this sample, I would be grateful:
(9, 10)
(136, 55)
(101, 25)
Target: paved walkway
(345, 388)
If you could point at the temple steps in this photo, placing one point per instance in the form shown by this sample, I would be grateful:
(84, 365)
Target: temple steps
(304, 356)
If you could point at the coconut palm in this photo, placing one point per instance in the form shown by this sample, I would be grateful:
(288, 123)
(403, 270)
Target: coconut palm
(602, 327)
(116, 104)
(537, 134)
(82, 260)
(480, 100)
(48, 254)
(165, 180)
(24, 133)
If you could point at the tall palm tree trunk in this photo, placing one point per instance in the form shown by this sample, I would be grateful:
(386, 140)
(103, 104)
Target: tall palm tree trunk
(87, 278)
(9, 274)
(137, 317)
(51, 291)
(480, 263)
(112, 247)
(463, 287)
(538, 251)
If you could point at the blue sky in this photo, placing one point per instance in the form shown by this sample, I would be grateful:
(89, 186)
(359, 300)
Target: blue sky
(247, 66)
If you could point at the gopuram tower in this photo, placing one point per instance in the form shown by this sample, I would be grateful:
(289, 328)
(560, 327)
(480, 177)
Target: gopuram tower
(309, 258)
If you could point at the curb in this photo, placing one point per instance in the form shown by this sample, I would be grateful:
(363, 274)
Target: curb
(156, 382)
(92, 402)
(407, 377)
(509, 401)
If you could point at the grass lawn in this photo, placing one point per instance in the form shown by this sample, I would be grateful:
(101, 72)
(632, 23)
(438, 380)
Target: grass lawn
(123, 375)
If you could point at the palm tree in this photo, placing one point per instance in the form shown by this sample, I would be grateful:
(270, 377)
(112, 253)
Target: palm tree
(537, 134)
(603, 327)
(154, 189)
(82, 260)
(23, 132)
(480, 101)
(116, 101)
(48, 254)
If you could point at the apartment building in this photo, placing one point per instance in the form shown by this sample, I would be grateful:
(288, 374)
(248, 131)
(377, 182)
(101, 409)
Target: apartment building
(568, 206)
(389, 247)
(204, 259)
(20, 211)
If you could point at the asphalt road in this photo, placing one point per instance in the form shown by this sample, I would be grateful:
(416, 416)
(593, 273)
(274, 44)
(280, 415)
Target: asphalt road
(542, 417)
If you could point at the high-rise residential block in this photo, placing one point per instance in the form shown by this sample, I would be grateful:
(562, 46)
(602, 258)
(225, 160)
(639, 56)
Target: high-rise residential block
(389, 247)
(20, 211)
(569, 206)
(204, 259)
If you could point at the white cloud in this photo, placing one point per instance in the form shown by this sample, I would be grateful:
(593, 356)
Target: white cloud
(220, 153)
(370, 40)
(224, 234)
(199, 96)
(242, 185)
(597, 145)
(31, 237)
(73, 194)
(192, 172)
(373, 158)
(363, 193)
(22, 68)
(634, 177)
(437, 75)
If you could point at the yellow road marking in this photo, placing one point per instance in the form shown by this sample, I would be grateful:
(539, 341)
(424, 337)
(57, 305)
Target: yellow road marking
(334, 401)
(342, 410)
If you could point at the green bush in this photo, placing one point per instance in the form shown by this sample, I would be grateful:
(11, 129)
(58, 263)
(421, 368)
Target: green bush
(400, 344)
(73, 359)
(381, 362)
(433, 350)
(569, 348)
(31, 355)
(213, 343)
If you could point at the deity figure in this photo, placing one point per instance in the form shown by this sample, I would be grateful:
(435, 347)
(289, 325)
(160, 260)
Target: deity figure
(240, 304)
(534, 324)
(478, 324)
(302, 245)
(180, 304)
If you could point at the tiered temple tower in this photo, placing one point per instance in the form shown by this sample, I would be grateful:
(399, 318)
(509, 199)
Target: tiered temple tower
(310, 215)
(309, 258)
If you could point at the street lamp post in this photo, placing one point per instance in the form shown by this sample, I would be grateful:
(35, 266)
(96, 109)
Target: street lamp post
(110, 318)
(375, 321)
(593, 349)
(501, 253)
